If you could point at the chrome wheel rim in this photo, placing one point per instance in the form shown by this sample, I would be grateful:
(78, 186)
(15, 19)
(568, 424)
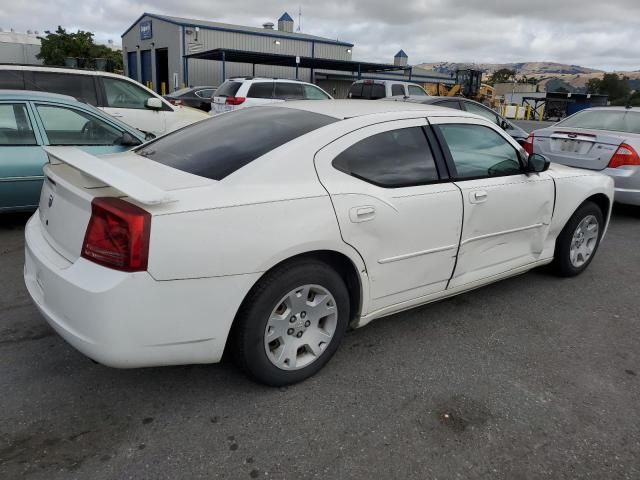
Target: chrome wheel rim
(300, 327)
(584, 241)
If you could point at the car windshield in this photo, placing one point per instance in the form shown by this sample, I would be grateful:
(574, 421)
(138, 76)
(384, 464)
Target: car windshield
(219, 146)
(611, 120)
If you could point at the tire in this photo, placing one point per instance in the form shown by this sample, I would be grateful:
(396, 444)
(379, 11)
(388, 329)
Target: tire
(272, 303)
(562, 263)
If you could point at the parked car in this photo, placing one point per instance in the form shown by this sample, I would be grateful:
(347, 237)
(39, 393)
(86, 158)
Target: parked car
(334, 214)
(30, 121)
(460, 103)
(243, 92)
(194, 97)
(377, 89)
(605, 139)
(119, 96)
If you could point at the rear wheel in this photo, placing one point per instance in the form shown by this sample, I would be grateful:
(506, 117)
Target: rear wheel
(579, 240)
(291, 323)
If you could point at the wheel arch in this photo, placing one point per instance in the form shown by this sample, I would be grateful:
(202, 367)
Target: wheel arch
(352, 274)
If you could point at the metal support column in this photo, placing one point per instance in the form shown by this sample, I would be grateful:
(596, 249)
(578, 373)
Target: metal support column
(224, 67)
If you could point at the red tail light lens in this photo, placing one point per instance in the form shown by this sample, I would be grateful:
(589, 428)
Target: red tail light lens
(235, 100)
(625, 155)
(117, 235)
(528, 144)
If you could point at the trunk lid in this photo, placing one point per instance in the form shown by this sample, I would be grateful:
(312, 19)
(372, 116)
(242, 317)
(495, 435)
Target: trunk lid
(73, 178)
(577, 147)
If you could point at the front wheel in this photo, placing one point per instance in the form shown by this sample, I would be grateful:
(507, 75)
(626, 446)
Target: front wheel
(579, 240)
(291, 323)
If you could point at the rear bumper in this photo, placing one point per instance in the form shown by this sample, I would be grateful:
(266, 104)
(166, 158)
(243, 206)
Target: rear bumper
(627, 184)
(128, 320)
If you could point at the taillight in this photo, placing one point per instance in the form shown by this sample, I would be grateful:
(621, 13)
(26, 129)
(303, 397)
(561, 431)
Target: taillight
(234, 100)
(117, 235)
(625, 155)
(528, 144)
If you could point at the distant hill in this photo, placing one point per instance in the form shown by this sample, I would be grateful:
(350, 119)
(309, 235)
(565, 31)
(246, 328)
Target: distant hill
(529, 69)
(551, 75)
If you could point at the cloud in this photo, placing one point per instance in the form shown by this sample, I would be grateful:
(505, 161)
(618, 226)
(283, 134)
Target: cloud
(588, 33)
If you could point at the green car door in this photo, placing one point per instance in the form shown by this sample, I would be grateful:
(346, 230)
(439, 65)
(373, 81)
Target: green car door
(21, 157)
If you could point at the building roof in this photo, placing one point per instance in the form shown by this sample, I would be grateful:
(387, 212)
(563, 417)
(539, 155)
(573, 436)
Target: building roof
(226, 27)
(401, 54)
(285, 18)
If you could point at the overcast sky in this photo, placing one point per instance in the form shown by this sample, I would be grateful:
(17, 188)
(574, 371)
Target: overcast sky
(590, 33)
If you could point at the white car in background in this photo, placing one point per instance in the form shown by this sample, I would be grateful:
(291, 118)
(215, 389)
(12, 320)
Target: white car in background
(267, 231)
(243, 92)
(119, 96)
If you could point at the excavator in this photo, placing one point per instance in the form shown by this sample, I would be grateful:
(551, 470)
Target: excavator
(468, 84)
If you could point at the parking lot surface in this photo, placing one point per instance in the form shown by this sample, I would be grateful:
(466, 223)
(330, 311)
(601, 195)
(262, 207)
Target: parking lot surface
(532, 377)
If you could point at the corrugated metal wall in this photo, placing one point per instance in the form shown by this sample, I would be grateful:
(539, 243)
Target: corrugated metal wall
(19, 53)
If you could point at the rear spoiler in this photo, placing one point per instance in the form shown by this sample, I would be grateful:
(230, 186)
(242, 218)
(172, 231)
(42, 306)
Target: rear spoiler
(100, 169)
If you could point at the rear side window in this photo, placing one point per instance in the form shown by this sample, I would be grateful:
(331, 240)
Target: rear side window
(15, 127)
(260, 90)
(483, 112)
(398, 158)
(219, 146)
(449, 104)
(397, 90)
(373, 91)
(228, 89)
(12, 79)
(479, 152)
(206, 93)
(81, 87)
(289, 91)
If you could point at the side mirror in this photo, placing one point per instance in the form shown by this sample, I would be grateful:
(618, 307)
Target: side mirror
(128, 140)
(154, 103)
(504, 124)
(537, 163)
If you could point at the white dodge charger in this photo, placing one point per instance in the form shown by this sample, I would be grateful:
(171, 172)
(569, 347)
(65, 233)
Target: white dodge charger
(266, 232)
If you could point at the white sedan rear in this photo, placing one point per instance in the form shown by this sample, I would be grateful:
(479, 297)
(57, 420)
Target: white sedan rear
(268, 231)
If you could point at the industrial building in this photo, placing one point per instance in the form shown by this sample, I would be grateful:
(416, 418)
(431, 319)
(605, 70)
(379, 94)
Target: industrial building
(22, 48)
(168, 52)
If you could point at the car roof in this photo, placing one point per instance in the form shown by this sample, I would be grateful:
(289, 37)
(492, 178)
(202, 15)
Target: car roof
(401, 82)
(620, 109)
(36, 95)
(342, 109)
(76, 71)
(265, 79)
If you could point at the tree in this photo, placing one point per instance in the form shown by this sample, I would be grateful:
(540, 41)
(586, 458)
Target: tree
(55, 47)
(593, 85)
(617, 88)
(501, 76)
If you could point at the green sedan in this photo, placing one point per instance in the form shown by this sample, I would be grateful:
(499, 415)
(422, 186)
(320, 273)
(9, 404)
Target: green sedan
(31, 120)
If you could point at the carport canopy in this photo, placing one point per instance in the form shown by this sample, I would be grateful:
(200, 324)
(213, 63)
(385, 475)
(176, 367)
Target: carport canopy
(313, 63)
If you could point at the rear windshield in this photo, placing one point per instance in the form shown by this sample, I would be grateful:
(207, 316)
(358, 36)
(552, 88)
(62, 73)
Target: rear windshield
(219, 146)
(610, 120)
(227, 89)
(367, 91)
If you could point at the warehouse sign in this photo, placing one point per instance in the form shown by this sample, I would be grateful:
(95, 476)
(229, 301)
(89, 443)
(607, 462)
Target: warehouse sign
(146, 33)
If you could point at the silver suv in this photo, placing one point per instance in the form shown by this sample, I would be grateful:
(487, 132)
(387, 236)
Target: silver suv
(377, 89)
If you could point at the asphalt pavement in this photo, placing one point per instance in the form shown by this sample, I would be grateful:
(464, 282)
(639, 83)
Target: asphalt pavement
(533, 377)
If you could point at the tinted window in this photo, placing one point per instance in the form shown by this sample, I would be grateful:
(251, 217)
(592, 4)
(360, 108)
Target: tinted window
(397, 90)
(289, 91)
(219, 146)
(77, 86)
(482, 111)
(228, 89)
(478, 151)
(260, 90)
(314, 93)
(367, 91)
(66, 126)
(398, 158)
(11, 79)
(415, 90)
(613, 120)
(449, 104)
(15, 127)
(355, 90)
(124, 94)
